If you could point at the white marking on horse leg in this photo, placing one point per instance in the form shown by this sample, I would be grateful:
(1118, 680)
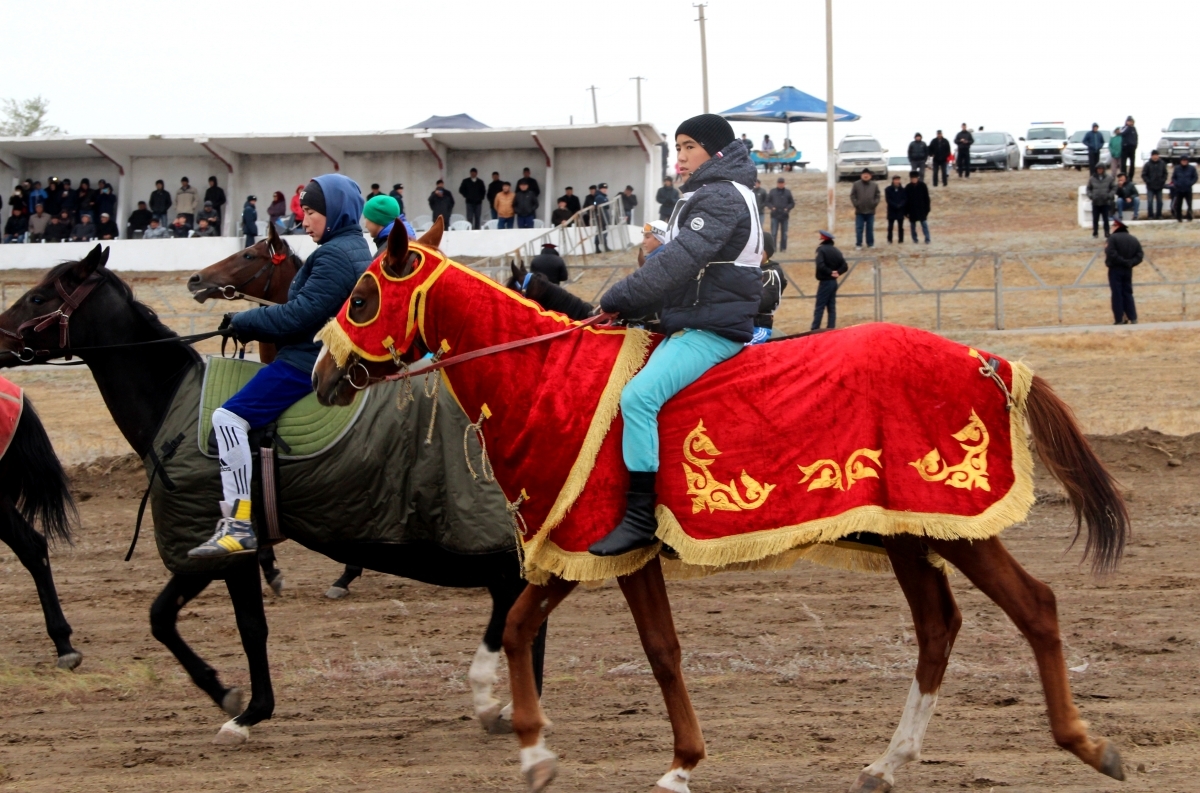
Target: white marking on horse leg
(482, 677)
(532, 755)
(675, 780)
(232, 733)
(906, 742)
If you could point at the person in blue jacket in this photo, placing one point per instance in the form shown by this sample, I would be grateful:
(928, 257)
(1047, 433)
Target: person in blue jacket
(332, 205)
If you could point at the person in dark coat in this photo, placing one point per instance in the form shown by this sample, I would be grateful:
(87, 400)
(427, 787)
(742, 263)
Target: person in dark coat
(53, 197)
(1154, 174)
(573, 205)
(85, 200)
(160, 202)
(16, 225)
(1129, 144)
(1122, 253)
(209, 213)
(666, 197)
(939, 150)
(549, 263)
(139, 219)
(473, 192)
(1094, 142)
(85, 229)
(494, 187)
(332, 205)
(250, 219)
(561, 216)
(59, 229)
(525, 205)
(894, 197)
(216, 195)
(1101, 190)
(917, 205)
(529, 180)
(628, 202)
(379, 218)
(773, 283)
(589, 201)
(67, 200)
(780, 203)
(962, 158)
(441, 203)
(398, 194)
(830, 264)
(1183, 179)
(1127, 197)
(918, 153)
(107, 229)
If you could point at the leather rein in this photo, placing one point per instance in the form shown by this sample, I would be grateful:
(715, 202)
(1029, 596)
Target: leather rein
(231, 292)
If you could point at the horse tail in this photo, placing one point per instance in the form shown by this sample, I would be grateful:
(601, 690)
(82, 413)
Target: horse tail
(1092, 490)
(34, 479)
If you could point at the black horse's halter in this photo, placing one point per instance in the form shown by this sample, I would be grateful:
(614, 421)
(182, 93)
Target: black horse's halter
(70, 303)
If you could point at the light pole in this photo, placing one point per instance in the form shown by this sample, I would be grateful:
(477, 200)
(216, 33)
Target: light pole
(831, 166)
(703, 53)
(639, 94)
(595, 113)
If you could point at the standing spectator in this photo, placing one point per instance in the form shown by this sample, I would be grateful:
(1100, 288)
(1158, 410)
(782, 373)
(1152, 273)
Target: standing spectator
(549, 263)
(35, 196)
(1129, 144)
(525, 205)
(180, 229)
(441, 203)
(503, 204)
(962, 158)
(1154, 174)
(1127, 196)
(894, 196)
(760, 200)
(830, 264)
(773, 284)
(139, 219)
(53, 196)
(68, 200)
(781, 204)
(918, 153)
(473, 192)
(1100, 189)
(58, 230)
(668, 195)
(160, 202)
(278, 207)
(107, 229)
(85, 199)
(603, 216)
(917, 205)
(397, 193)
(17, 199)
(208, 213)
(156, 230)
(1122, 253)
(250, 219)
(1115, 147)
(572, 200)
(204, 229)
(939, 150)
(864, 197)
(17, 225)
(297, 210)
(84, 230)
(374, 191)
(215, 194)
(379, 219)
(1094, 141)
(628, 202)
(186, 200)
(768, 148)
(38, 222)
(589, 201)
(749, 144)
(1183, 179)
(495, 187)
(529, 180)
(561, 216)
(106, 200)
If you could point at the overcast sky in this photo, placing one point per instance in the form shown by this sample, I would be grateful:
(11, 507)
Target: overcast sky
(248, 66)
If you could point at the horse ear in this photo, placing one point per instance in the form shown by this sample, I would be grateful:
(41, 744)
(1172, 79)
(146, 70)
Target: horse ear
(273, 239)
(396, 257)
(104, 257)
(516, 271)
(433, 237)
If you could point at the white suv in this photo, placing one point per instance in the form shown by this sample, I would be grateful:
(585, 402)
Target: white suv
(856, 152)
(1044, 144)
(1181, 138)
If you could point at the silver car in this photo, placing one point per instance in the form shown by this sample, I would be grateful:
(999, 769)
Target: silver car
(1075, 155)
(995, 150)
(856, 152)
(1181, 138)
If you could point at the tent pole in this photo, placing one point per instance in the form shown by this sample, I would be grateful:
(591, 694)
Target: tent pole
(831, 167)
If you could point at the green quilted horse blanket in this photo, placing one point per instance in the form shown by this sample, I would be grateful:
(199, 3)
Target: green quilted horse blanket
(363, 473)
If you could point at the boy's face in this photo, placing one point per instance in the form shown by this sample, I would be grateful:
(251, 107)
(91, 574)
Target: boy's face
(689, 155)
(650, 243)
(372, 227)
(314, 224)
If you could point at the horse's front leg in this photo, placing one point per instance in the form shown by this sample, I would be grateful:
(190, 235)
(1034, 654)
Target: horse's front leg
(525, 618)
(646, 593)
(31, 548)
(246, 594)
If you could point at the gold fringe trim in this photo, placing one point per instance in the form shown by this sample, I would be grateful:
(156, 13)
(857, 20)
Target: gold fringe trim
(812, 540)
(337, 341)
(572, 566)
(629, 361)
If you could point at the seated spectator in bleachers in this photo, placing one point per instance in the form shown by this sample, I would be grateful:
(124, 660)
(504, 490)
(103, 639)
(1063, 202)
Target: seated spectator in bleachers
(67, 222)
(35, 196)
(58, 230)
(17, 225)
(67, 202)
(85, 229)
(139, 219)
(209, 213)
(156, 231)
(203, 229)
(38, 222)
(107, 229)
(562, 215)
(85, 200)
(181, 229)
(106, 199)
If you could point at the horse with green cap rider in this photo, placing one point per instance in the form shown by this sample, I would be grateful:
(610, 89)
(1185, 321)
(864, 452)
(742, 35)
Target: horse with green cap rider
(708, 279)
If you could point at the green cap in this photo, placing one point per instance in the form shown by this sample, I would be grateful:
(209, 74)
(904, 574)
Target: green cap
(382, 209)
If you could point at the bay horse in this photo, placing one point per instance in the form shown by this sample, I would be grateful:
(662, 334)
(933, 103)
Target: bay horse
(262, 272)
(137, 363)
(34, 491)
(431, 304)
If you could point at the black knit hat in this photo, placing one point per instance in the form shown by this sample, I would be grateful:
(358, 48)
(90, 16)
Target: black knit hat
(711, 131)
(313, 196)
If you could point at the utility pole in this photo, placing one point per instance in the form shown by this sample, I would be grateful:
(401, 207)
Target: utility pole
(595, 114)
(831, 165)
(703, 52)
(639, 92)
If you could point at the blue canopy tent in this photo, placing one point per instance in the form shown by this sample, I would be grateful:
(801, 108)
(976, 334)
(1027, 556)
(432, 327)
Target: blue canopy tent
(787, 105)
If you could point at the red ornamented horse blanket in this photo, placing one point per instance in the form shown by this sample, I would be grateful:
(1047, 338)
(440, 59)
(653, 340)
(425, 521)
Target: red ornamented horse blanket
(12, 403)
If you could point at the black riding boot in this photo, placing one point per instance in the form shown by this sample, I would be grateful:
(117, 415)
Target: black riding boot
(637, 528)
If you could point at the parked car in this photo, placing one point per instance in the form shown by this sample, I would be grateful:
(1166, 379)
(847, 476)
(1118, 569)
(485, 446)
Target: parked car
(856, 152)
(897, 166)
(995, 150)
(1044, 144)
(1180, 138)
(1075, 154)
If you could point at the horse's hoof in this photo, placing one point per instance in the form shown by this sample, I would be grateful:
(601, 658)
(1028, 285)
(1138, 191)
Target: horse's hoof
(231, 703)
(232, 734)
(1110, 763)
(493, 720)
(336, 592)
(540, 775)
(869, 783)
(69, 661)
(276, 584)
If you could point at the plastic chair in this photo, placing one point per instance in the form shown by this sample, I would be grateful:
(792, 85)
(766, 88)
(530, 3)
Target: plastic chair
(538, 223)
(261, 225)
(460, 225)
(455, 217)
(421, 220)
(491, 225)
(421, 228)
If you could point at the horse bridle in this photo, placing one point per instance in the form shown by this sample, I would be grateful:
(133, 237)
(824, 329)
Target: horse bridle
(231, 292)
(70, 304)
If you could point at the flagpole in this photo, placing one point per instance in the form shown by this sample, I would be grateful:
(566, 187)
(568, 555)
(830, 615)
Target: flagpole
(831, 166)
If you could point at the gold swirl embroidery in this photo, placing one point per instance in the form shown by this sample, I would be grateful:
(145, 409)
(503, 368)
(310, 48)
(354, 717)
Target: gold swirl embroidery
(972, 471)
(705, 490)
(831, 473)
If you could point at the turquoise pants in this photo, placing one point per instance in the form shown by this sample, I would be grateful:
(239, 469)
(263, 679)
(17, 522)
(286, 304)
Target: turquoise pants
(674, 365)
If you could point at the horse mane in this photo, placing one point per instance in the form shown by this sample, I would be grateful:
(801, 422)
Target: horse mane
(554, 298)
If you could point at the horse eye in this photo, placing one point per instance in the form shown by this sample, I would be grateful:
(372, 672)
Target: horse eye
(358, 302)
(37, 301)
(248, 256)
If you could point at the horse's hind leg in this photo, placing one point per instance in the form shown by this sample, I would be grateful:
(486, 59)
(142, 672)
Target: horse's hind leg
(937, 620)
(341, 587)
(495, 719)
(1030, 604)
(271, 572)
(31, 548)
(246, 594)
(164, 615)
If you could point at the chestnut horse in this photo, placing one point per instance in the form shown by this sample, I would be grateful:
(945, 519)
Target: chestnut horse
(407, 279)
